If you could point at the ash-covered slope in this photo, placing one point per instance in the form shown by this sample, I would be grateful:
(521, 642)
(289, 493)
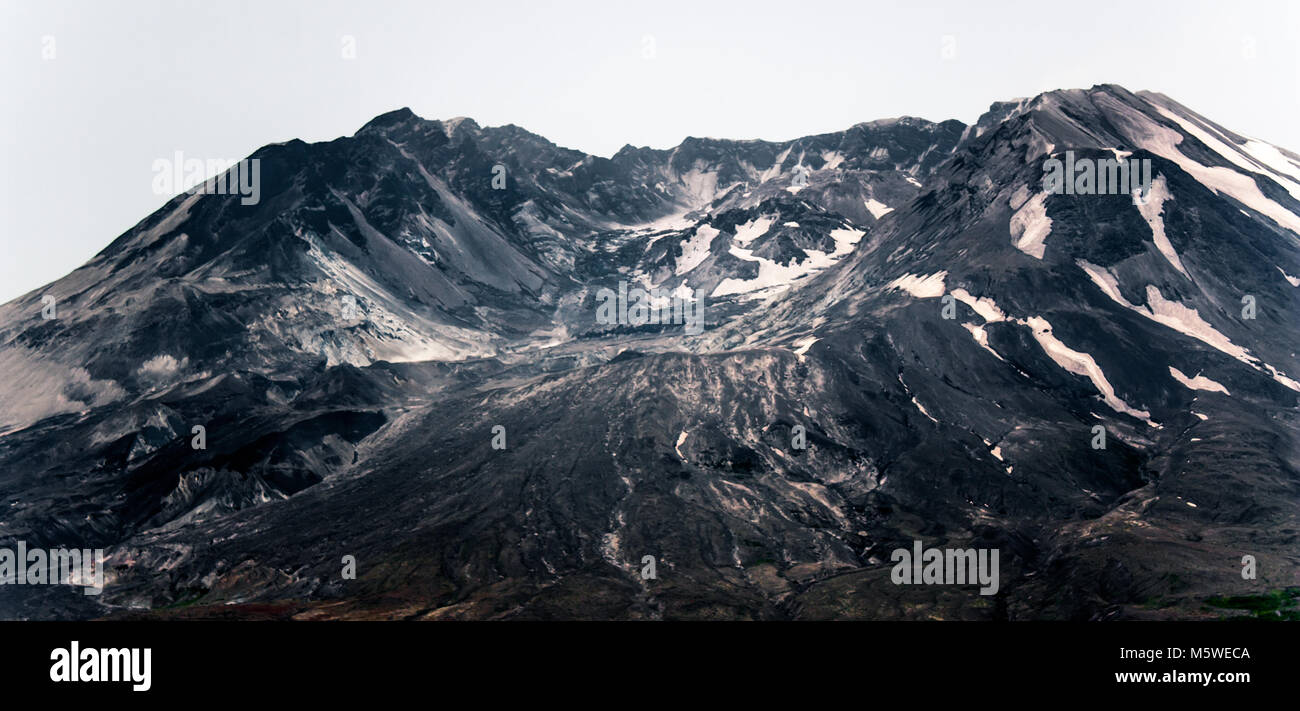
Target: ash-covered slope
(1069, 312)
(948, 335)
(412, 240)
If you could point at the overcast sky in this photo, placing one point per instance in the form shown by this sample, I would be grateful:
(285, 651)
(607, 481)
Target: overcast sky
(95, 92)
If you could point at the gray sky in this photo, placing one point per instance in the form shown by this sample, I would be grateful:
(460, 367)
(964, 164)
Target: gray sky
(131, 82)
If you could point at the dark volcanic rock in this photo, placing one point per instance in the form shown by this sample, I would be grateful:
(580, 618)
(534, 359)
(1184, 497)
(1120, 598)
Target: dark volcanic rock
(398, 363)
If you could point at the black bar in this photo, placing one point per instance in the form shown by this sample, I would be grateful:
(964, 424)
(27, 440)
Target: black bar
(241, 660)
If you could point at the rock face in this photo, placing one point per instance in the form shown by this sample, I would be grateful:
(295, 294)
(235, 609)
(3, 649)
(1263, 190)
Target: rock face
(398, 355)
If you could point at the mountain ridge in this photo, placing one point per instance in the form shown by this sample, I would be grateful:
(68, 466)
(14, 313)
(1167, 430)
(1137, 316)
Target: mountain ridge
(948, 335)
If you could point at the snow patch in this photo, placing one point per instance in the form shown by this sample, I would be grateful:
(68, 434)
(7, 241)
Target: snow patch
(696, 249)
(1106, 281)
(923, 410)
(927, 287)
(1278, 163)
(1083, 364)
(1189, 322)
(803, 344)
(753, 229)
(981, 337)
(845, 239)
(1030, 226)
(1200, 382)
(877, 208)
(1164, 142)
(1151, 210)
(771, 273)
(987, 308)
(1183, 319)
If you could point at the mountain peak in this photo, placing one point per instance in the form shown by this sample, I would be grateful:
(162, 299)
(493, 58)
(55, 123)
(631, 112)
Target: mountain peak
(391, 118)
(452, 125)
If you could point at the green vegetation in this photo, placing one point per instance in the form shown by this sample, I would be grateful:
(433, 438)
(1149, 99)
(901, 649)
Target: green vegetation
(1283, 604)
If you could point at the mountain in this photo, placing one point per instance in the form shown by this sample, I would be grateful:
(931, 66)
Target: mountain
(400, 354)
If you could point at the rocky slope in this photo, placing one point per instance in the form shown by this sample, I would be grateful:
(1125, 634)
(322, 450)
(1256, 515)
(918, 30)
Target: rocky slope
(949, 336)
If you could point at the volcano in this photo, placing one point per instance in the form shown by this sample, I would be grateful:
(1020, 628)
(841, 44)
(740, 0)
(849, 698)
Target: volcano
(384, 389)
